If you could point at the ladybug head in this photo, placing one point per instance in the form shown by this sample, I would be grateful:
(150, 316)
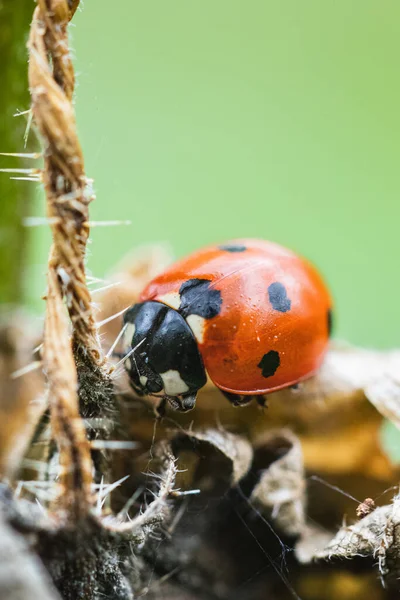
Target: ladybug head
(164, 358)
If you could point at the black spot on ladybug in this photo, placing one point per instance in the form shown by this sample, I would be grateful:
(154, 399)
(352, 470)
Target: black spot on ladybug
(329, 317)
(278, 297)
(233, 248)
(269, 363)
(199, 298)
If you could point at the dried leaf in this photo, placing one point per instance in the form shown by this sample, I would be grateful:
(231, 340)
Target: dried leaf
(157, 511)
(281, 487)
(236, 449)
(376, 536)
(384, 391)
(312, 539)
(22, 400)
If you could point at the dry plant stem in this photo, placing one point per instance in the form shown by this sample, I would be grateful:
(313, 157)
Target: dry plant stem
(51, 81)
(76, 465)
(64, 177)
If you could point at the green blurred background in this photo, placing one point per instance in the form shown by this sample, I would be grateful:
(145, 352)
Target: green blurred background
(203, 121)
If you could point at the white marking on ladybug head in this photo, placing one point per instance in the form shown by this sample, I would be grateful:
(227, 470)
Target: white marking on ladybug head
(197, 325)
(143, 380)
(171, 299)
(128, 335)
(173, 383)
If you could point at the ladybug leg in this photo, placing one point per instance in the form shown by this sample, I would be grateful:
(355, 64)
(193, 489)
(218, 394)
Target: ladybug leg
(160, 409)
(182, 403)
(297, 387)
(262, 401)
(237, 399)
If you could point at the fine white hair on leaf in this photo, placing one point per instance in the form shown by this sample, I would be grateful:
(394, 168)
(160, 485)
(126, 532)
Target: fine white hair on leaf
(119, 336)
(20, 171)
(32, 155)
(115, 316)
(155, 509)
(106, 287)
(91, 279)
(105, 490)
(28, 125)
(129, 353)
(113, 445)
(24, 370)
(108, 223)
(39, 221)
(125, 509)
(20, 113)
(33, 179)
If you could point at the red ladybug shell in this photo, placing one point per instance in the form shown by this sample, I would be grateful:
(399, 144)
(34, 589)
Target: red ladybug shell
(274, 313)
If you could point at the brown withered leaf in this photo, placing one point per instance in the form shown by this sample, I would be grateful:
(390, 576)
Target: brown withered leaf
(237, 450)
(312, 539)
(281, 492)
(384, 391)
(281, 486)
(22, 399)
(376, 536)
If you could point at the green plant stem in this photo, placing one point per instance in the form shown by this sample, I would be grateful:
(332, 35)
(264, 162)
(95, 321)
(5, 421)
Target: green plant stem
(15, 18)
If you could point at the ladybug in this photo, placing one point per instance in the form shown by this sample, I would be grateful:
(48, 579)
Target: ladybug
(251, 314)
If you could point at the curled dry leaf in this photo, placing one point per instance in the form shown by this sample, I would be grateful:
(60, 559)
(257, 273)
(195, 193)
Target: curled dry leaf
(281, 486)
(157, 511)
(212, 462)
(236, 449)
(280, 493)
(384, 391)
(376, 536)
